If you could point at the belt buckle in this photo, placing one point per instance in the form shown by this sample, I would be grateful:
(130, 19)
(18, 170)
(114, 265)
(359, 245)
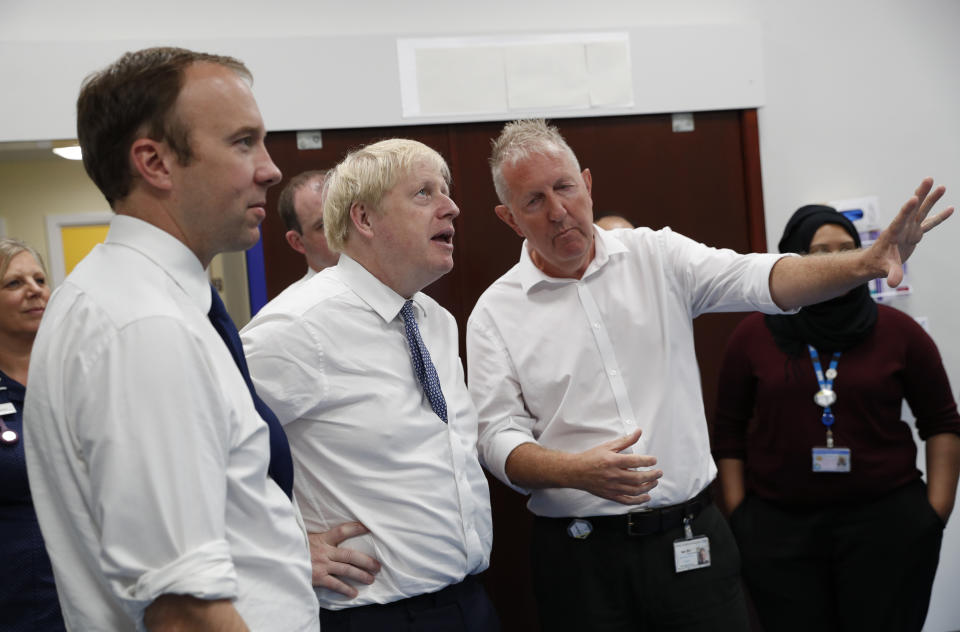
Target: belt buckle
(643, 522)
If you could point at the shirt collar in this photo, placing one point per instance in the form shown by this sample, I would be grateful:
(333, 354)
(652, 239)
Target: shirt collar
(372, 291)
(167, 252)
(532, 277)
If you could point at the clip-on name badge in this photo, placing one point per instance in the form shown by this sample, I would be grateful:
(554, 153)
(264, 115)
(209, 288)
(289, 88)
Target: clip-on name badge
(690, 553)
(829, 458)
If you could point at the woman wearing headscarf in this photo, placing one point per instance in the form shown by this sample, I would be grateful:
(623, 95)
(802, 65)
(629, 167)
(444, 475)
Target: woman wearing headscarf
(28, 597)
(837, 529)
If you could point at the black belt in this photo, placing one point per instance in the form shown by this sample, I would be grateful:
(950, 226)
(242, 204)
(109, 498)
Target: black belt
(649, 521)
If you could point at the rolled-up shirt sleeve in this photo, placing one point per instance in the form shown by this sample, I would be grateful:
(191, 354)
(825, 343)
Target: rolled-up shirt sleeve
(157, 458)
(719, 279)
(504, 422)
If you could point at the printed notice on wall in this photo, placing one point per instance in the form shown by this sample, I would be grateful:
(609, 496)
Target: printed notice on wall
(505, 74)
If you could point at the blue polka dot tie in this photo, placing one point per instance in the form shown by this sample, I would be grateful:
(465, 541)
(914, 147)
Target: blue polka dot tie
(422, 364)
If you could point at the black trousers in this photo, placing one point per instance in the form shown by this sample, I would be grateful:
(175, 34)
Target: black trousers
(462, 607)
(612, 581)
(865, 566)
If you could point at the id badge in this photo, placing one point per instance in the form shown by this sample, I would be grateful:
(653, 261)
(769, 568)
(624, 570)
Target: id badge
(6, 408)
(690, 554)
(831, 460)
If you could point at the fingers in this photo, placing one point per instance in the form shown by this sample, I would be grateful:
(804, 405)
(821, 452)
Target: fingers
(900, 221)
(359, 561)
(339, 533)
(895, 275)
(332, 565)
(925, 185)
(622, 443)
(936, 220)
(332, 583)
(630, 500)
(631, 461)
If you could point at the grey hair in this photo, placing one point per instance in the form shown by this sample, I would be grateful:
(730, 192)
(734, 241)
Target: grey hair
(520, 139)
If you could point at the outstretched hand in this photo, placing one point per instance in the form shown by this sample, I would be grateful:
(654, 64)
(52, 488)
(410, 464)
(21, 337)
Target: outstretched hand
(330, 562)
(895, 244)
(606, 472)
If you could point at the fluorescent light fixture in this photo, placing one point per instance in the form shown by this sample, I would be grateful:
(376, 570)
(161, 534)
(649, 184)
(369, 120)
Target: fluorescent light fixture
(70, 153)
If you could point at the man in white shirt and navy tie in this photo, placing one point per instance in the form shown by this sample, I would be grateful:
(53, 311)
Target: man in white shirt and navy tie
(582, 367)
(363, 370)
(161, 482)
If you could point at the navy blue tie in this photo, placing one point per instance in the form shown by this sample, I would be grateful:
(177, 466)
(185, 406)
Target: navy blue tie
(422, 364)
(281, 463)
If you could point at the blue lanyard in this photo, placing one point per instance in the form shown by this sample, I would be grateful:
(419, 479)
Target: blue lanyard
(826, 382)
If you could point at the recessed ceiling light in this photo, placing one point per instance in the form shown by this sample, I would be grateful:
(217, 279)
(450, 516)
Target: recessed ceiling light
(70, 153)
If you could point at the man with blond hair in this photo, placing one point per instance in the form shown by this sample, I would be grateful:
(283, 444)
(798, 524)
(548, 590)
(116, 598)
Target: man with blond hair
(160, 484)
(362, 369)
(300, 206)
(583, 370)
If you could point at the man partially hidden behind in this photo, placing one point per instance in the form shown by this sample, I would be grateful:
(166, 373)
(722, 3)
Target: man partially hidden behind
(301, 208)
(148, 458)
(588, 342)
(363, 370)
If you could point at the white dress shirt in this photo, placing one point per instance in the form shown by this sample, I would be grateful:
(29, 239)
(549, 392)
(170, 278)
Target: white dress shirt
(569, 364)
(332, 360)
(306, 277)
(147, 459)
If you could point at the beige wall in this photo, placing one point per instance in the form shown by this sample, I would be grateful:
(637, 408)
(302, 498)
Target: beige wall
(31, 190)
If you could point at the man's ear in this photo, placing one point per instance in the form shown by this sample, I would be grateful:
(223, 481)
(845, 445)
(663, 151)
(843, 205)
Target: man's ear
(151, 160)
(362, 217)
(504, 213)
(587, 180)
(293, 238)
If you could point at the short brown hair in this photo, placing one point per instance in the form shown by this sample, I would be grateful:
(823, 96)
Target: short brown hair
(135, 95)
(285, 205)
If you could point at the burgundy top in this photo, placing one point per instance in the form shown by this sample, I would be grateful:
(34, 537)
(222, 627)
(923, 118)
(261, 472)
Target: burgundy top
(766, 414)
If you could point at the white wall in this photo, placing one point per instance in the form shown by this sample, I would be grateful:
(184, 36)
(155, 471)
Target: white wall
(862, 97)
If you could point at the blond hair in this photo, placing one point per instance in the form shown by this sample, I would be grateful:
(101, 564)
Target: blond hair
(365, 176)
(10, 248)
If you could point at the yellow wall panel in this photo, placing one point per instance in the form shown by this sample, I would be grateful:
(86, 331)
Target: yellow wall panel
(78, 241)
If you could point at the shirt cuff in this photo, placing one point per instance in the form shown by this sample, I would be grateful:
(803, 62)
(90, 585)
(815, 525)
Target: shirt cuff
(205, 573)
(499, 448)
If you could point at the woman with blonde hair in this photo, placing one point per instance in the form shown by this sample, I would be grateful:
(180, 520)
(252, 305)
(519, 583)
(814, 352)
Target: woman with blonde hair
(28, 597)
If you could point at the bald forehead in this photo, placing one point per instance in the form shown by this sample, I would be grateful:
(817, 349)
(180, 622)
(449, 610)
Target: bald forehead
(307, 200)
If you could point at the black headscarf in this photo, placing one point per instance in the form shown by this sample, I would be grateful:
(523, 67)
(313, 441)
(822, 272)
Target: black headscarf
(835, 325)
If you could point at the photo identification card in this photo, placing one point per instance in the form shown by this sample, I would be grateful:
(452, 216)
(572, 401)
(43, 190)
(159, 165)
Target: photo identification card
(831, 460)
(692, 553)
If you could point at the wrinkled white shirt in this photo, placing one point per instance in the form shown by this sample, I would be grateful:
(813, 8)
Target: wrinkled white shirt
(332, 361)
(572, 363)
(147, 459)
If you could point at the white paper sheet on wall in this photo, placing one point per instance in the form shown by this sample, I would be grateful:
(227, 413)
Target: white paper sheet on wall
(467, 80)
(547, 76)
(608, 70)
(494, 74)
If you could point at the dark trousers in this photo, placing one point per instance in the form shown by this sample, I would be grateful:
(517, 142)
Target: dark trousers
(865, 566)
(612, 581)
(462, 607)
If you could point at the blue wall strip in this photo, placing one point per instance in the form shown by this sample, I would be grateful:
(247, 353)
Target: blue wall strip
(256, 277)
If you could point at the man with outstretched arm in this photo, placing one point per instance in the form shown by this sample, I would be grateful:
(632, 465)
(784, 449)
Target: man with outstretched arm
(583, 370)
